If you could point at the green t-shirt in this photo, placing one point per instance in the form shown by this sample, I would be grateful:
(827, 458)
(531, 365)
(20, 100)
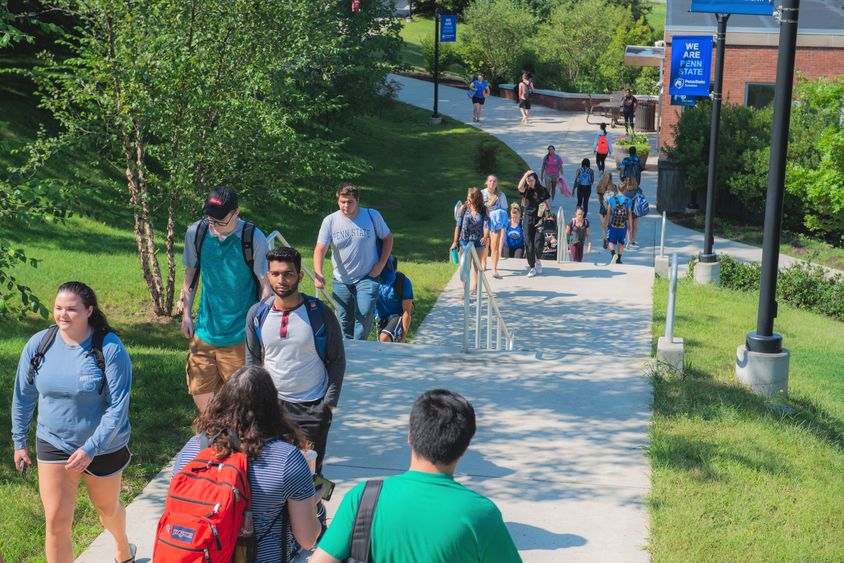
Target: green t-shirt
(425, 517)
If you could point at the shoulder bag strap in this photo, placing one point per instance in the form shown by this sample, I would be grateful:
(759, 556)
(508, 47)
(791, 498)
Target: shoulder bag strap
(247, 238)
(362, 529)
(46, 341)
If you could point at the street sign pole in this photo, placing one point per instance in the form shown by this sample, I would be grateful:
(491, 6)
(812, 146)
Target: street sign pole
(764, 339)
(436, 113)
(707, 256)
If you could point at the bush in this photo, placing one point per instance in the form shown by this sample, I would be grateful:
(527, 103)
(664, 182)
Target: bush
(801, 285)
(486, 156)
(448, 54)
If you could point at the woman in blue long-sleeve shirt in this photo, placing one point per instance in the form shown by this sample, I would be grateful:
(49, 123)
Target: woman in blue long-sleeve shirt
(83, 418)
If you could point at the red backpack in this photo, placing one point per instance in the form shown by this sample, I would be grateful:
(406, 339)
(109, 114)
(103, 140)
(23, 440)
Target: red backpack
(603, 145)
(204, 510)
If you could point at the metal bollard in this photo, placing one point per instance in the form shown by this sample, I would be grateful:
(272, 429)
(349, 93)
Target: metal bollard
(672, 297)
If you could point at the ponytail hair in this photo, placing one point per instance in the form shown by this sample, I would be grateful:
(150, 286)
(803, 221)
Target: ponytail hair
(97, 320)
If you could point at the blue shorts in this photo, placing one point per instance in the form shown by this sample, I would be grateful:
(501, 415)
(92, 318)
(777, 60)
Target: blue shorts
(617, 235)
(466, 243)
(497, 220)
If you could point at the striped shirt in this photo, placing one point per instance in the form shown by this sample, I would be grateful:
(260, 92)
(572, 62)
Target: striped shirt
(280, 473)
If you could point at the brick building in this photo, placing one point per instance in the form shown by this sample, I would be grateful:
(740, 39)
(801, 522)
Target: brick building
(750, 59)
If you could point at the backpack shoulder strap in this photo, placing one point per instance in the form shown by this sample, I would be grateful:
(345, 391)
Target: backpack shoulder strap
(247, 238)
(398, 285)
(262, 310)
(317, 322)
(45, 344)
(199, 237)
(362, 528)
(97, 352)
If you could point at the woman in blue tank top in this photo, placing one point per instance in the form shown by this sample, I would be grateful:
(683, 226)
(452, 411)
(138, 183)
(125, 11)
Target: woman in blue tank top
(514, 236)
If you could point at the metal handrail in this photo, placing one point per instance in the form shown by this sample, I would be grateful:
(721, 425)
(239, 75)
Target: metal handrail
(457, 207)
(662, 237)
(562, 246)
(324, 295)
(470, 257)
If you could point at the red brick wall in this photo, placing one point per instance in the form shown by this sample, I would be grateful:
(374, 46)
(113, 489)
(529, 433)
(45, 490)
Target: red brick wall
(752, 64)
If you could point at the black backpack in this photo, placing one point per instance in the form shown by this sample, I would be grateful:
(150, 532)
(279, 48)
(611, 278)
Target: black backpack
(47, 342)
(619, 213)
(361, 538)
(247, 235)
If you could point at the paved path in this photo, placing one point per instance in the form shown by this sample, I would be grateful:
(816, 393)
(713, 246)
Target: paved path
(573, 138)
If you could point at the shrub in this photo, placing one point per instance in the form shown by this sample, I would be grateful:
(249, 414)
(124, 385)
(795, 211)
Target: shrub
(486, 156)
(448, 54)
(743, 276)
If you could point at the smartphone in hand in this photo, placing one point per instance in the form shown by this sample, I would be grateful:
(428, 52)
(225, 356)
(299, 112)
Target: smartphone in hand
(320, 481)
(23, 469)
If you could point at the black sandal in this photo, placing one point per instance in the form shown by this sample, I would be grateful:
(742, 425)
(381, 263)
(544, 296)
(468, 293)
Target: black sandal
(133, 549)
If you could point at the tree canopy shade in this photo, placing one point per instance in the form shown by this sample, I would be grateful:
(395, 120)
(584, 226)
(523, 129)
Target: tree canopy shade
(184, 95)
(498, 33)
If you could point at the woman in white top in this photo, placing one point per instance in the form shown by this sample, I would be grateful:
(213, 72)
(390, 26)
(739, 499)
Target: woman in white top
(496, 206)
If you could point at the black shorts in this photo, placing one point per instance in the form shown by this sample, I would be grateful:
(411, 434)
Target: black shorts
(478, 100)
(104, 465)
(525, 104)
(393, 326)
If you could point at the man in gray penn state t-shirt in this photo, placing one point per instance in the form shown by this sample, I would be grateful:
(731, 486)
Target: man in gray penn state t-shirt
(352, 234)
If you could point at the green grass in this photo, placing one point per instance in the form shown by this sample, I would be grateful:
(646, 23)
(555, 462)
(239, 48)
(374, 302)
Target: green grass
(411, 51)
(797, 245)
(732, 479)
(416, 174)
(657, 18)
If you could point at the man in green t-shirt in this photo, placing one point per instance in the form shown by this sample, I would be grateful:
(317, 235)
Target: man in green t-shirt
(423, 514)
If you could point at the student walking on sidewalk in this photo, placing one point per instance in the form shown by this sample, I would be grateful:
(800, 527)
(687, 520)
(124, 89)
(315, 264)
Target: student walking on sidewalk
(583, 180)
(525, 92)
(551, 170)
(578, 232)
(602, 147)
(354, 235)
(605, 190)
(472, 229)
(534, 198)
(479, 91)
(79, 374)
(496, 205)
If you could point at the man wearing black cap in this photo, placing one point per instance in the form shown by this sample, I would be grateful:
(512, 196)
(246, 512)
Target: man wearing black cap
(230, 255)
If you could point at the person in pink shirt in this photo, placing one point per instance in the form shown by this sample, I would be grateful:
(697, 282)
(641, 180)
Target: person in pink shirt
(552, 169)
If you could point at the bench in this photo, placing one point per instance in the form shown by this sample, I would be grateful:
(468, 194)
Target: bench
(607, 109)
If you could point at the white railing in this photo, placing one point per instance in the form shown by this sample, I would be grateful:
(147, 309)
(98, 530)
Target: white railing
(493, 314)
(562, 242)
(662, 237)
(457, 207)
(321, 294)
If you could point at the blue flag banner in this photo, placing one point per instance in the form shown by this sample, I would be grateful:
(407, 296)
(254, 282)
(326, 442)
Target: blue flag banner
(691, 61)
(750, 7)
(683, 100)
(448, 29)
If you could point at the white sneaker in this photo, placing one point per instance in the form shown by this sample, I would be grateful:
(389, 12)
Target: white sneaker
(532, 273)
(538, 267)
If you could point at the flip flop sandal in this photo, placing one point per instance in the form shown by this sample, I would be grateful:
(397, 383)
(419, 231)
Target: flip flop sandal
(133, 550)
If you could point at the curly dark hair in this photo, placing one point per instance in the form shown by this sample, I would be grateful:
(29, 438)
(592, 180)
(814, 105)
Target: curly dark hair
(248, 403)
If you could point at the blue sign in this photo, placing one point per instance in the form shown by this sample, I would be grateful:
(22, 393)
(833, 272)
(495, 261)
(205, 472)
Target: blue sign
(750, 7)
(448, 29)
(683, 100)
(691, 59)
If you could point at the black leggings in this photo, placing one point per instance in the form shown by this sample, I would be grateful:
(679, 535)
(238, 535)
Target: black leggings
(583, 194)
(600, 159)
(628, 121)
(511, 252)
(534, 243)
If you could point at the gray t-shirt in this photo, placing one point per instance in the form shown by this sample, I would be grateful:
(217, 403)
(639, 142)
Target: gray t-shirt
(353, 243)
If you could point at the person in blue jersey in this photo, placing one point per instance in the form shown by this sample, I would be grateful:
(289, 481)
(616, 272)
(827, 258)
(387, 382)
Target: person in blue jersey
(279, 476)
(514, 235)
(479, 92)
(79, 375)
(394, 306)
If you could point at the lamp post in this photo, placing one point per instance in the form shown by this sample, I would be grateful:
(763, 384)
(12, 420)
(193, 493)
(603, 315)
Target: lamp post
(710, 271)
(762, 362)
(435, 117)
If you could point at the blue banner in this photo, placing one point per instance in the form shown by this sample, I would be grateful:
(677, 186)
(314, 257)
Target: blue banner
(691, 61)
(683, 100)
(448, 29)
(750, 7)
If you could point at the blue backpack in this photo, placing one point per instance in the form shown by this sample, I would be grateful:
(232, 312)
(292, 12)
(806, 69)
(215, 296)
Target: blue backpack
(640, 205)
(632, 168)
(315, 318)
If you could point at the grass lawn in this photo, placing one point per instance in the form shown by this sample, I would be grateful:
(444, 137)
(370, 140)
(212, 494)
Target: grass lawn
(416, 174)
(733, 480)
(411, 51)
(792, 244)
(657, 18)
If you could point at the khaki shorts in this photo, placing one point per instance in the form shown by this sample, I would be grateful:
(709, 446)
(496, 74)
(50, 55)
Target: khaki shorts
(208, 366)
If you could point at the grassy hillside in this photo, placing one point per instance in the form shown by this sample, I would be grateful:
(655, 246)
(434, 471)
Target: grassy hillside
(416, 173)
(734, 480)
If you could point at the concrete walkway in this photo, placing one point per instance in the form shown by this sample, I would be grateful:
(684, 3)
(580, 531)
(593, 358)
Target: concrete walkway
(573, 139)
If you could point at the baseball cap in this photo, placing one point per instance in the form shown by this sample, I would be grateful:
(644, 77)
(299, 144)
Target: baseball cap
(221, 201)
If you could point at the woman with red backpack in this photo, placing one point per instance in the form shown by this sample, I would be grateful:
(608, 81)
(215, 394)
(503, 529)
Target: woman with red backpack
(243, 425)
(602, 147)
